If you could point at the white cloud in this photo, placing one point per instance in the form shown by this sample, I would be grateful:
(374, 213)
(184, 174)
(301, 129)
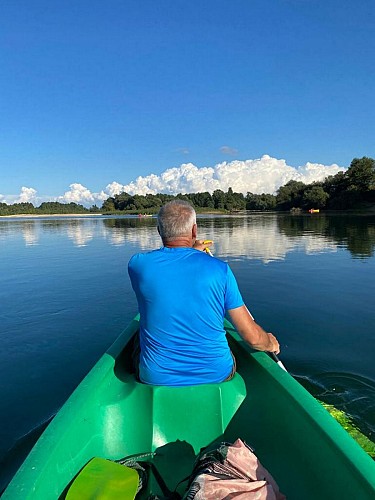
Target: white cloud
(27, 195)
(263, 175)
(81, 194)
(316, 171)
(227, 150)
(114, 188)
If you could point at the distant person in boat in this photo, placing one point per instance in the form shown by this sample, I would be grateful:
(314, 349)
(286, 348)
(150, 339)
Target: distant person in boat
(183, 295)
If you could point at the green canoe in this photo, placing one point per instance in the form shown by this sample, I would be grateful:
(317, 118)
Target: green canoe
(112, 416)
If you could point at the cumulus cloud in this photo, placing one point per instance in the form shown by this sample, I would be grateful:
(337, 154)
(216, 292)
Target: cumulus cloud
(81, 194)
(114, 188)
(263, 175)
(27, 195)
(227, 150)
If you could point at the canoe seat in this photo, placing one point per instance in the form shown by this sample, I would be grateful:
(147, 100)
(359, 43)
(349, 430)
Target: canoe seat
(196, 414)
(139, 417)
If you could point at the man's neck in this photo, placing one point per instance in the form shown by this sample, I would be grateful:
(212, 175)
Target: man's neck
(183, 241)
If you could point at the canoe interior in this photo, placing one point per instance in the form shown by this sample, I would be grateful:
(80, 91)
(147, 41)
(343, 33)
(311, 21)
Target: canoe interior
(110, 415)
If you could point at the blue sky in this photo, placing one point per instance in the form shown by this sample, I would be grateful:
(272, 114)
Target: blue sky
(95, 92)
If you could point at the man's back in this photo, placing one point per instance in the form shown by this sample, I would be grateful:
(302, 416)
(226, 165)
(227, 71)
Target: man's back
(182, 296)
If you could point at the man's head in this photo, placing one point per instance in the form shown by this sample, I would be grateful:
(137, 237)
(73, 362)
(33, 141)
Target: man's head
(176, 221)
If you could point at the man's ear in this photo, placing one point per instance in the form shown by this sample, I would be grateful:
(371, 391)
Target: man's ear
(194, 232)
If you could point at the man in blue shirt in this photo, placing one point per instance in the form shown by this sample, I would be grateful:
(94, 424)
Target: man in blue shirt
(183, 295)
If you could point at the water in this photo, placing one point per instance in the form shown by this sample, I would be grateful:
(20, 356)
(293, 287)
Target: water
(65, 296)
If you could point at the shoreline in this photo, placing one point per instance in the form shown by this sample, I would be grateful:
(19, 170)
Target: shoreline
(353, 211)
(47, 215)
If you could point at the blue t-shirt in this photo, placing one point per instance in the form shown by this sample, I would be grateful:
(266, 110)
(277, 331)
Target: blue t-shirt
(183, 295)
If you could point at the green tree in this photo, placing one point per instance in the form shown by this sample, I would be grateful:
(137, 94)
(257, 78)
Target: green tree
(22, 208)
(290, 195)
(361, 173)
(108, 205)
(203, 200)
(218, 197)
(234, 201)
(314, 197)
(260, 201)
(152, 201)
(55, 207)
(239, 201)
(121, 201)
(335, 184)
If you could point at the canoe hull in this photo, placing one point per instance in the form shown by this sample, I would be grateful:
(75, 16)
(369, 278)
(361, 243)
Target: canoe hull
(111, 415)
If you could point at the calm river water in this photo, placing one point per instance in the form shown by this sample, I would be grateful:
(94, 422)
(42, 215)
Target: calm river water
(65, 296)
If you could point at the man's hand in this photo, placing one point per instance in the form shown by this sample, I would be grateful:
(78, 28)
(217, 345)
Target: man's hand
(202, 245)
(274, 345)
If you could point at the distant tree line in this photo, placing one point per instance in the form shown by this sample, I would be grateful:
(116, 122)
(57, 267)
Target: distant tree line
(354, 188)
(150, 203)
(49, 207)
(219, 200)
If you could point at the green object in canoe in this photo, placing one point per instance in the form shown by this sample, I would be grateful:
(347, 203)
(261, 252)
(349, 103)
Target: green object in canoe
(104, 479)
(112, 416)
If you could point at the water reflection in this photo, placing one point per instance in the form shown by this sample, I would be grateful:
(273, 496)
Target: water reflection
(356, 232)
(80, 232)
(266, 237)
(259, 237)
(141, 233)
(30, 232)
(251, 237)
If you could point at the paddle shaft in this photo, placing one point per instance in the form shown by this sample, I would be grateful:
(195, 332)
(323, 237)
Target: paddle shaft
(277, 360)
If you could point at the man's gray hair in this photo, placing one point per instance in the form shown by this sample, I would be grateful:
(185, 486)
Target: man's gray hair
(176, 218)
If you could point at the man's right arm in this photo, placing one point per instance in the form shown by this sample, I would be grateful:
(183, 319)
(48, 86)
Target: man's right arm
(251, 332)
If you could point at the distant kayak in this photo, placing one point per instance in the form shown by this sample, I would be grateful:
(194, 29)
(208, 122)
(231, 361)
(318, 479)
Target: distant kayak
(111, 415)
(314, 210)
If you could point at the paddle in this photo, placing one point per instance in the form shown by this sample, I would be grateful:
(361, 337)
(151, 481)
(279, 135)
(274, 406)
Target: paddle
(271, 354)
(207, 250)
(277, 360)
